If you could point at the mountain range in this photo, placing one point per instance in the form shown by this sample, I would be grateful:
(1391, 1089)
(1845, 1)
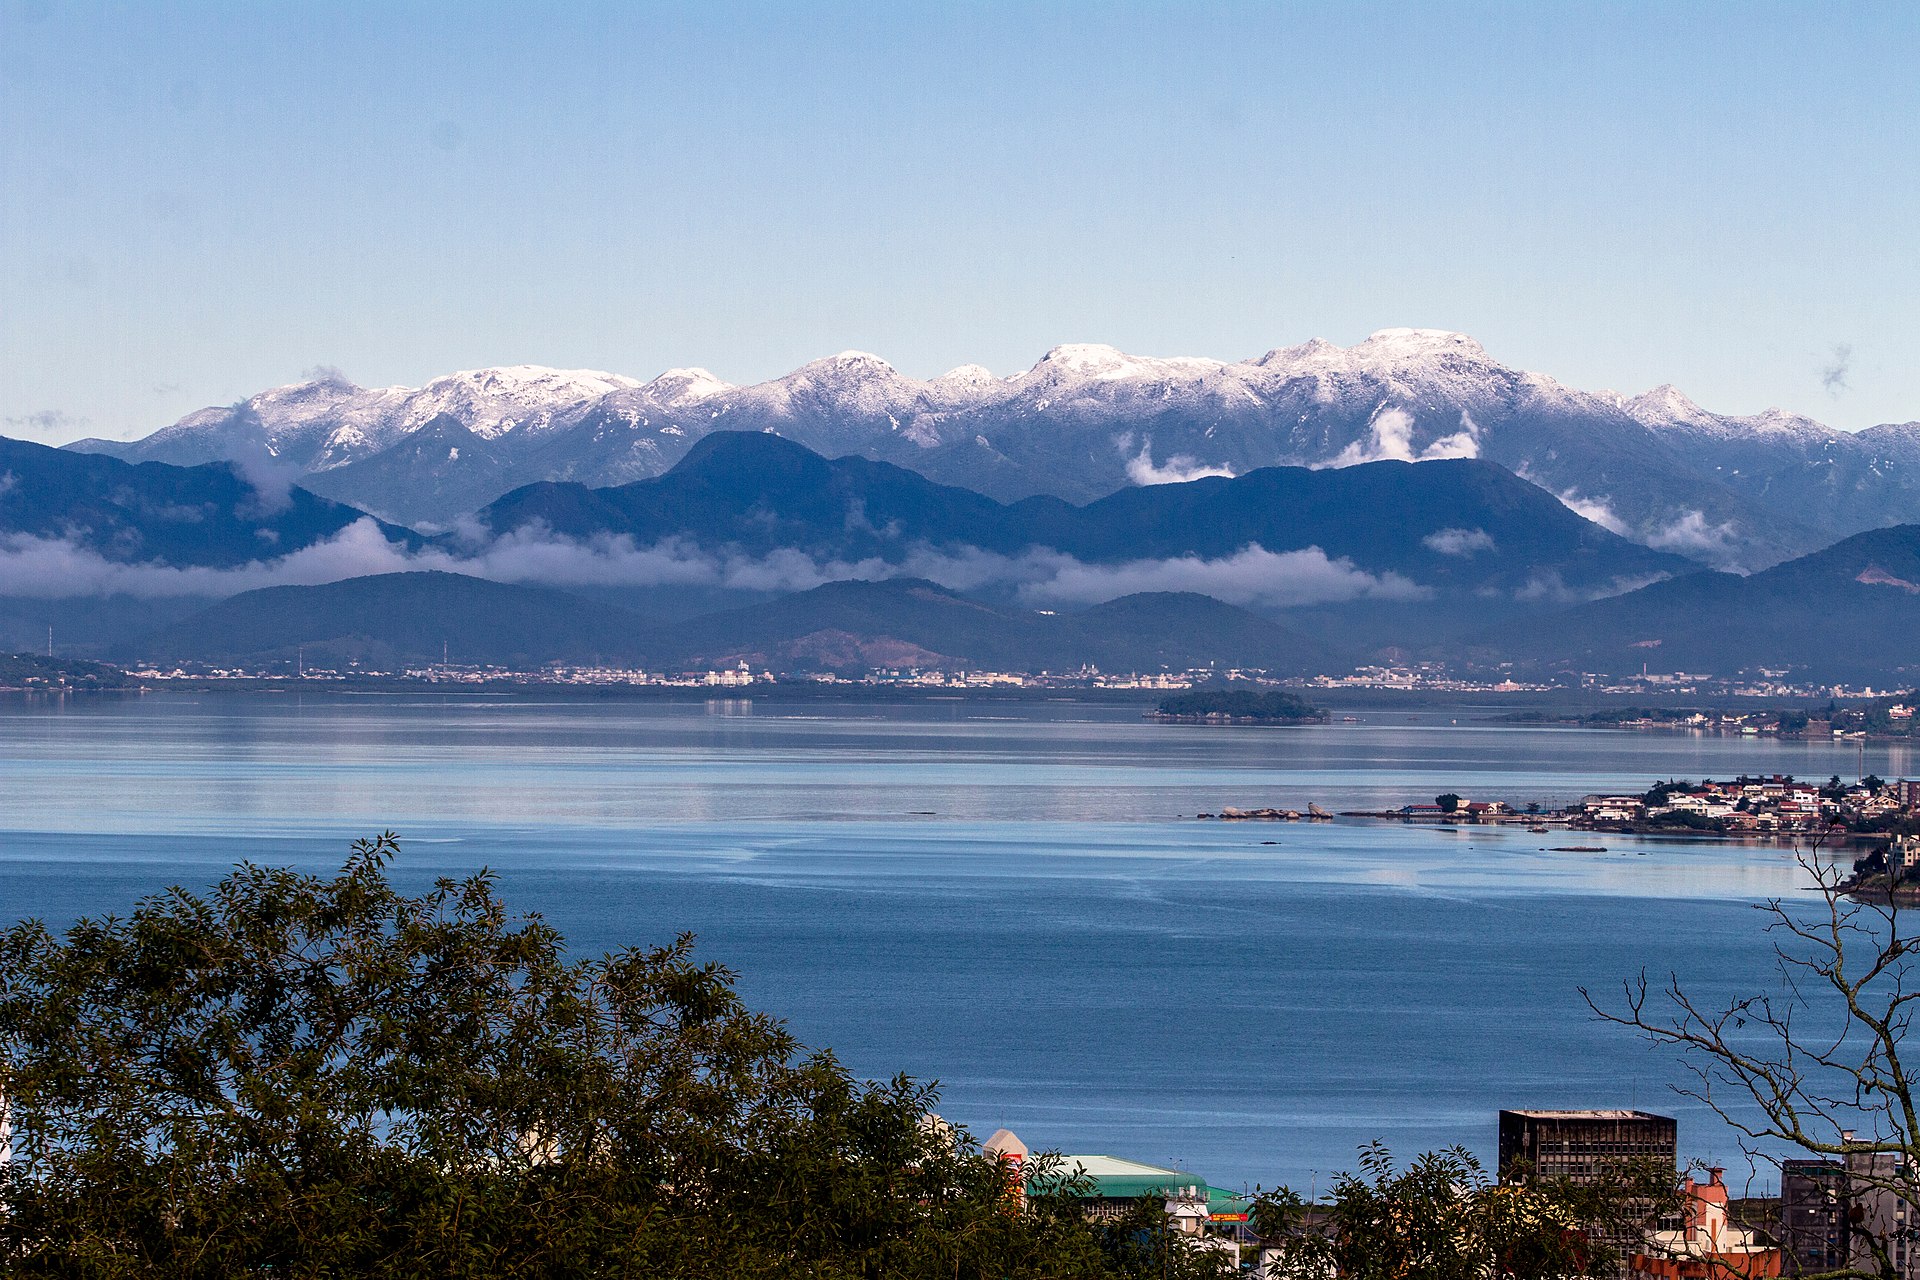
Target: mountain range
(212, 516)
(1276, 536)
(1847, 612)
(1087, 420)
(391, 619)
(802, 562)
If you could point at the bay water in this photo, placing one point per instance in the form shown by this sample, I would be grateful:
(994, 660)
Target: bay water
(1013, 898)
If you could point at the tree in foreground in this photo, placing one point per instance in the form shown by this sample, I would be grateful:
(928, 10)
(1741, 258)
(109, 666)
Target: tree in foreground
(1442, 1218)
(1818, 1066)
(296, 1076)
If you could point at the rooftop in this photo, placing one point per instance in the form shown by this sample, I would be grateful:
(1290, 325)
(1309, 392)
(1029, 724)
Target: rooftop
(1116, 1179)
(1584, 1115)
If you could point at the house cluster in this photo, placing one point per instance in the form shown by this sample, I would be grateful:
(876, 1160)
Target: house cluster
(1758, 805)
(1831, 1215)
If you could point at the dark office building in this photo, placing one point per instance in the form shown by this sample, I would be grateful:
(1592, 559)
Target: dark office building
(1578, 1145)
(1813, 1215)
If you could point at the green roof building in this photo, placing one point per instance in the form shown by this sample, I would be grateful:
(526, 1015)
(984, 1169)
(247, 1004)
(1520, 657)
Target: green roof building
(1118, 1182)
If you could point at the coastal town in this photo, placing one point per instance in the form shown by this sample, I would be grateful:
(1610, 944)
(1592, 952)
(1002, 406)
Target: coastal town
(1830, 1215)
(1778, 804)
(1868, 711)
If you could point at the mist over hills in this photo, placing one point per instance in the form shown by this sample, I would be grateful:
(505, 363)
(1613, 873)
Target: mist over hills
(910, 622)
(779, 557)
(1087, 420)
(387, 620)
(392, 618)
(1278, 536)
(1848, 612)
(210, 516)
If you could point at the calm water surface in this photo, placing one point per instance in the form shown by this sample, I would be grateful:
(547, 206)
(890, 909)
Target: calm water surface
(1001, 896)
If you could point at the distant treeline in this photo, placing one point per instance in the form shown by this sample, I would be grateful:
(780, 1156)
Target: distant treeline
(1240, 704)
(1875, 717)
(28, 670)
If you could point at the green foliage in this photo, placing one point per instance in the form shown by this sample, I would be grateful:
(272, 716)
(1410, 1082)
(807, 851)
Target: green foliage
(1442, 1218)
(1240, 704)
(33, 671)
(1449, 802)
(1658, 793)
(296, 1076)
(1689, 821)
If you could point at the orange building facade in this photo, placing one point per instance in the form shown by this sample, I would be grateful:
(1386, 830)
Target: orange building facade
(1708, 1246)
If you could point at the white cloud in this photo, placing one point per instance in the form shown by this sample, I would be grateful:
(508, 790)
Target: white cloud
(1547, 586)
(44, 567)
(1390, 439)
(271, 479)
(1459, 542)
(1598, 510)
(1690, 534)
(1178, 469)
(1251, 576)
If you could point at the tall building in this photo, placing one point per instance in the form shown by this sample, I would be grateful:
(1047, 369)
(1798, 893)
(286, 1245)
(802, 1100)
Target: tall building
(1813, 1215)
(1581, 1145)
(1878, 1215)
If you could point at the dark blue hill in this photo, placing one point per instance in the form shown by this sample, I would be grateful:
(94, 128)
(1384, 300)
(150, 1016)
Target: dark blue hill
(1848, 612)
(1453, 527)
(207, 516)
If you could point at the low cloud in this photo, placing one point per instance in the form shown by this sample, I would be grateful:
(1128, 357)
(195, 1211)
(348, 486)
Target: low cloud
(271, 478)
(1458, 542)
(1547, 587)
(1598, 510)
(1837, 370)
(1390, 439)
(1251, 576)
(331, 374)
(49, 422)
(1178, 469)
(1691, 535)
(59, 569)
(44, 567)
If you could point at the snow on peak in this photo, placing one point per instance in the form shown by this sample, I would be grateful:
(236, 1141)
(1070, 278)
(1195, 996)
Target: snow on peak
(863, 360)
(1097, 360)
(968, 375)
(1667, 406)
(1664, 404)
(684, 386)
(1407, 344)
(495, 401)
(533, 379)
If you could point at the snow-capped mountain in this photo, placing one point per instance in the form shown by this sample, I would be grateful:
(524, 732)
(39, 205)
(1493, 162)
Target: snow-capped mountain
(1086, 420)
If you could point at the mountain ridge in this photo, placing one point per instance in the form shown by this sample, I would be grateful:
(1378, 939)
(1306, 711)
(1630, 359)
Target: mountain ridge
(1456, 527)
(1086, 420)
(1847, 611)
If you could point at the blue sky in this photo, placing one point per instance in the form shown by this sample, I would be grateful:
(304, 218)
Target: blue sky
(199, 201)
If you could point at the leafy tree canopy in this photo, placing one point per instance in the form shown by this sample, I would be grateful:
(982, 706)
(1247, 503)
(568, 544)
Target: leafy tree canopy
(1240, 704)
(1442, 1218)
(297, 1076)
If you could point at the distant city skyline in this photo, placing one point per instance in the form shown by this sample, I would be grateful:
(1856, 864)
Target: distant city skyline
(206, 200)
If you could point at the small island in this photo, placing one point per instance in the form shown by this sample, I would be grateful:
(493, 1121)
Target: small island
(1237, 706)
